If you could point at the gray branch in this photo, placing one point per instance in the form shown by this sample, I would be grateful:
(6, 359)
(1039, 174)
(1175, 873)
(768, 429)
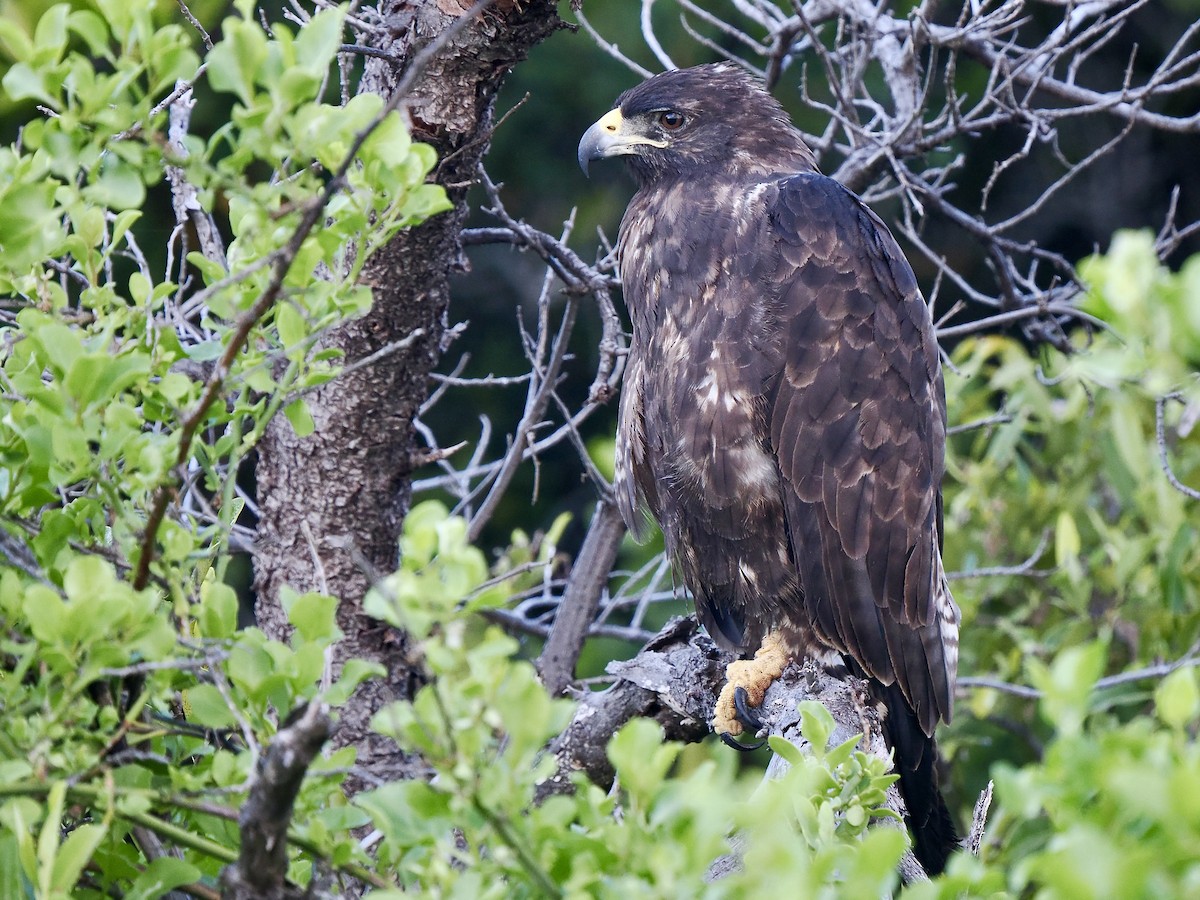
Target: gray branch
(261, 870)
(577, 610)
(184, 196)
(675, 680)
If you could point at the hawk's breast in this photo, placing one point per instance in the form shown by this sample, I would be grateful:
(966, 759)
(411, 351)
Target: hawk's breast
(693, 441)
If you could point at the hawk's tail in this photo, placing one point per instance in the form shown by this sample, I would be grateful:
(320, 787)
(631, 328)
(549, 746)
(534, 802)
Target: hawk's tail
(915, 753)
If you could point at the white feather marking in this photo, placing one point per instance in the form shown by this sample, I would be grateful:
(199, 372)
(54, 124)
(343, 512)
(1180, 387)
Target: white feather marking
(748, 575)
(756, 469)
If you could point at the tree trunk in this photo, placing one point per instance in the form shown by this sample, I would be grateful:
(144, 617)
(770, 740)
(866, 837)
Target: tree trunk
(332, 503)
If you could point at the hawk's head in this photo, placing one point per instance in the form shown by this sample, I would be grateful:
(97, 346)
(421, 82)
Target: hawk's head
(690, 122)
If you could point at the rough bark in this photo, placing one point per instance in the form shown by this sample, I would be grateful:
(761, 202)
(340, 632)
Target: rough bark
(261, 870)
(332, 504)
(674, 680)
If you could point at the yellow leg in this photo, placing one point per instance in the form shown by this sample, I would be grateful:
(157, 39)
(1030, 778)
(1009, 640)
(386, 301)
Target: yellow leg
(755, 675)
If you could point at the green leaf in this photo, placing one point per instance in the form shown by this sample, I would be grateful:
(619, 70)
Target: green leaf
(234, 63)
(20, 814)
(102, 377)
(856, 816)
(641, 758)
(301, 419)
(75, 853)
(89, 225)
(92, 29)
(784, 748)
(842, 752)
(319, 40)
(28, 219)
(205, 705)
(1177, 698)
(354, 672)
(10, 867)
(390, 142)
(15, 40)
(161, 877)
(122, 223)
(46, 613)
(48, 844)
(205, 351)
(209, 268)
(23, 82)
(816, 724)
(51, 31)
(424, 202)
(1067, 684)
(251, 666)
(1066, 540)
(218, 609)
(87, 577)
(292, 329)
(313, 615)
(119, 186)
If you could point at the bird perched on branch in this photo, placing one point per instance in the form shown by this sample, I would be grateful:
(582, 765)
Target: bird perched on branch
(783, 414)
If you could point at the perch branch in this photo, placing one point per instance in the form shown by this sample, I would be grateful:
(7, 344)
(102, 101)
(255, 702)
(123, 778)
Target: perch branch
(674, 680)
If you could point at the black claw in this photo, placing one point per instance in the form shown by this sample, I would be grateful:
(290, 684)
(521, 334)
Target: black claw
(729, 740)
(746, 714)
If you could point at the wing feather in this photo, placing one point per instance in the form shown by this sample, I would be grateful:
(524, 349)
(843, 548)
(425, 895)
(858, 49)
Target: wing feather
(857, 421)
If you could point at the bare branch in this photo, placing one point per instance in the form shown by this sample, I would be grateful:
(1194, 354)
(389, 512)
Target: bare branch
(575, 613)
(610, 48)
(185, 198)
(1025, 568)
(1162, 670)
(195, 23)
(674, 679)
(983, 805)
(651, 39)
(547, 359)
(261, 869)
(1160, 431)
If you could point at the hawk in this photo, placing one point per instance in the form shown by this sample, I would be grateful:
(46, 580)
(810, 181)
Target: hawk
(783, 416)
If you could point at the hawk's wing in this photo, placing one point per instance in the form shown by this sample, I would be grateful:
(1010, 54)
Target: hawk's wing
(857, 421)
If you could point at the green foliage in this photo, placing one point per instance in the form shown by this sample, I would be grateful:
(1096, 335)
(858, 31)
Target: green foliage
(125, 381)
(67, 746)
(482, 724)
(131, 710)
(95, 390)
(1077, 461)
(1110, 811)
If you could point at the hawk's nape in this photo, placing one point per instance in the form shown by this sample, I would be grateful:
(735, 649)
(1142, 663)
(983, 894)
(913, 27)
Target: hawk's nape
(783, 415)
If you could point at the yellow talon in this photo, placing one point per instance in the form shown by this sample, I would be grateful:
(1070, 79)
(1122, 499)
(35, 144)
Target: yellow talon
(755, 675)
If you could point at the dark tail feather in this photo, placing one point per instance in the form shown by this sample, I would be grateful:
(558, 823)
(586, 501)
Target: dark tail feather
(929, 822)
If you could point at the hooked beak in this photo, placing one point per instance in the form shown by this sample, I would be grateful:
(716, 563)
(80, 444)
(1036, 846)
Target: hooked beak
(611, 136)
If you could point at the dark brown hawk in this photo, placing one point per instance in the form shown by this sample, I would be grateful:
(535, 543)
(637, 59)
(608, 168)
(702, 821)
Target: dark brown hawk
(783, 415)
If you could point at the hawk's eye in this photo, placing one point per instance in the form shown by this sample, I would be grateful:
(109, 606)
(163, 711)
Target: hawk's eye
(671, 120)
